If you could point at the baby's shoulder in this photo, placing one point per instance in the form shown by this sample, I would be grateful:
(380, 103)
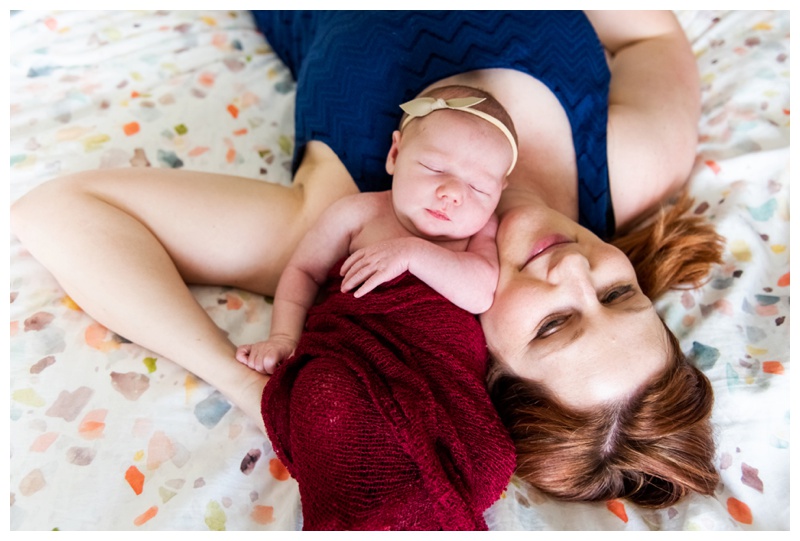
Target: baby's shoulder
(366, 203)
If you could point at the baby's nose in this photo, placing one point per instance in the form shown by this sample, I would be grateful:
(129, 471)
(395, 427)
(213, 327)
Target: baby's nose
(451, 192)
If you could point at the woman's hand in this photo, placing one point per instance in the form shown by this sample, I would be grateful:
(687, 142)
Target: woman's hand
(264, 357)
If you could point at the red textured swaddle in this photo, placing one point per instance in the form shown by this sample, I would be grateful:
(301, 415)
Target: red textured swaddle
(382, 415)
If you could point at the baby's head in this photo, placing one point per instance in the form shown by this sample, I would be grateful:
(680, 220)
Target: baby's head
(450, 158)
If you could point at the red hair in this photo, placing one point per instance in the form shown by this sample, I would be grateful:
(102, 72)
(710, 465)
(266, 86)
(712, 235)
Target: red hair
(653, 447)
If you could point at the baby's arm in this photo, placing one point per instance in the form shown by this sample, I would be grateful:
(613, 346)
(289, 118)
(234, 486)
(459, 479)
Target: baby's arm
(468, 279)
(324, 244)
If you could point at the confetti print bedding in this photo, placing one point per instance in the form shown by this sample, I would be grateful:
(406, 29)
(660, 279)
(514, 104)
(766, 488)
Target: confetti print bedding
(105, 435)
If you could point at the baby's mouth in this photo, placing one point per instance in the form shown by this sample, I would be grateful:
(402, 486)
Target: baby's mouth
(439, 215)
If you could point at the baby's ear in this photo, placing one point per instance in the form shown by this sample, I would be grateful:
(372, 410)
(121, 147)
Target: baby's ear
(391, 158)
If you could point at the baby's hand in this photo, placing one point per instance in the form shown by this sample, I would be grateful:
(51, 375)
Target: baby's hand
(264, 357)
(376, 264)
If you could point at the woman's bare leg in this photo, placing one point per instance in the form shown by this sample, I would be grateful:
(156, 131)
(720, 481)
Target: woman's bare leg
(124, 243)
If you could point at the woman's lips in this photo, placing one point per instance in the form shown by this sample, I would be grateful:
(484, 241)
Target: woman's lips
(438, 215)
(545, 244)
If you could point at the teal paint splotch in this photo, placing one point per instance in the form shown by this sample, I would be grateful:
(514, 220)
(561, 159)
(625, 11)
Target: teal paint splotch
(765, 211)
(732, 377)
(169, 158)
(767, 300)
(722, 282)
(704, 357)
(210, 410)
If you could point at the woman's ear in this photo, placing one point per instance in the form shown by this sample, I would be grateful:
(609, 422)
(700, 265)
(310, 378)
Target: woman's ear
(391, 158)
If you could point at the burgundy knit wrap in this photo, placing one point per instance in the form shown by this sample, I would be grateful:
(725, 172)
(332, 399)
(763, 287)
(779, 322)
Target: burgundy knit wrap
(382, 415)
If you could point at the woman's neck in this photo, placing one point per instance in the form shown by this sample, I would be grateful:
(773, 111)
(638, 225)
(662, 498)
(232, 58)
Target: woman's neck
(518, 194)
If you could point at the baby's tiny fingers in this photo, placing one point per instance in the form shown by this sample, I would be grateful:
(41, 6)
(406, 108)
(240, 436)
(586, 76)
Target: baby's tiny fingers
(242, 353)
(350, 261)
(371, 283)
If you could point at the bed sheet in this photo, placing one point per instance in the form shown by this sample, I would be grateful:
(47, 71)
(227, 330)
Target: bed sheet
(105, 435)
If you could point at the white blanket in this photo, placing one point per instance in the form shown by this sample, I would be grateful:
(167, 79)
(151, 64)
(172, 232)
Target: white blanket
(108, 436)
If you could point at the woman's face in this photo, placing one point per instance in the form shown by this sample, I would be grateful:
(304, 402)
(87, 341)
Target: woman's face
(568, 312)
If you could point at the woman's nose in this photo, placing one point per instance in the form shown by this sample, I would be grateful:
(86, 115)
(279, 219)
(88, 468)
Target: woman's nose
(573, 270)
(450, 192)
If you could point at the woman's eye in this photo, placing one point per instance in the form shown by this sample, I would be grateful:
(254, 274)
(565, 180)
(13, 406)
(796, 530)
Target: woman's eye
(551, 326)
(617, 293)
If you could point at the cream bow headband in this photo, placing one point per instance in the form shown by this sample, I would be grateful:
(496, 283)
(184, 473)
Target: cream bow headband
(420, 107)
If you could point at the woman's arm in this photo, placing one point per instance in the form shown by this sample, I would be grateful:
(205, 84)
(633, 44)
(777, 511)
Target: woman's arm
(654, 107)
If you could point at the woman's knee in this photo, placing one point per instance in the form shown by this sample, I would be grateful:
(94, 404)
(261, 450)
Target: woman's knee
(45, 203)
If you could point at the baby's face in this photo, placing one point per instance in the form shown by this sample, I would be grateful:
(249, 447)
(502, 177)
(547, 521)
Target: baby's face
(449, 171)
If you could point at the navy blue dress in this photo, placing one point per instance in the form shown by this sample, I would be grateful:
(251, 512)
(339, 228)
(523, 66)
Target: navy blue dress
(353, 69)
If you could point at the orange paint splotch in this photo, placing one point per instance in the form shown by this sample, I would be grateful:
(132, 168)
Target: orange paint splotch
(724, 306)
(230, 155)
(766, 310)
(234, 302)
(93, 424)
(147, 515)
(206, 79)
(43, 442)
(197, 151)
(714, 166)
(69, 303)
(95, 337)
(190, 385)
(51, 24)
(135, 479)
(131, 128)
(278, 470)
(218, 40)
(233, 110)
(263, 514)
(618, 508)
(773, 367)
(783, 281)
(740, 511)
(249, 98)
(241, 132)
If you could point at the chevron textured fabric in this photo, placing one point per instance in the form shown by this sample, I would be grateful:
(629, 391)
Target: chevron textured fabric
(353, 69)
